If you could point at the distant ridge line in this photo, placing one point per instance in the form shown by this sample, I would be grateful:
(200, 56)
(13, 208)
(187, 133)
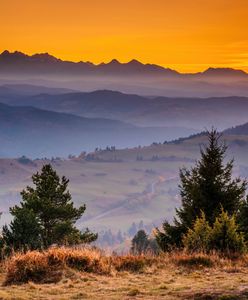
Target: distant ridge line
(10, 59)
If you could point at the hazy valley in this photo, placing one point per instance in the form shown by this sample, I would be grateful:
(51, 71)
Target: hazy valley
(120, 187)
(114, 147)
(124, 150)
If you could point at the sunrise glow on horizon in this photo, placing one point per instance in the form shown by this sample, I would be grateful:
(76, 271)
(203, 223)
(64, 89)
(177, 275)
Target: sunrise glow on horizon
(184, 35)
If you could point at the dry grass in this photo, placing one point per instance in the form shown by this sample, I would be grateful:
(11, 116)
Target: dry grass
(132, 263)
(48, 266)
(88, 274)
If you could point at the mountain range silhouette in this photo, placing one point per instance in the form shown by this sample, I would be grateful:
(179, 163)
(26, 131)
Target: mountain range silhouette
(44, 62)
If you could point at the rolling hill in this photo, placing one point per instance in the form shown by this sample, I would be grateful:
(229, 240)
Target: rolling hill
(197, 113)
(238, 130)
(38, 133)
(9, 90)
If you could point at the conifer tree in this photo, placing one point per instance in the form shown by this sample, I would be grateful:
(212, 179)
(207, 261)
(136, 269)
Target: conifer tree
(207, 187)
(23, 233)
(197, 238)
(50, 209)
(140, 242)
(225, 236)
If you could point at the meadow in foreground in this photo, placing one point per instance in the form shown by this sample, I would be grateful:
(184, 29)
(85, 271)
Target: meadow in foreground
(67, 273)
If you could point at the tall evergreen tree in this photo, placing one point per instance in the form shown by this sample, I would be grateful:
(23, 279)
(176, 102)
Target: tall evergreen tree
(50, 204)
(207, 187)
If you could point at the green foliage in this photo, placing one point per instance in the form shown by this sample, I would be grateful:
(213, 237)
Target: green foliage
(197, 238)
(225, 236)
(169, 237)
(23, 233)
(242, 218)
(140, 242)
(86, 237)
(46, 215)
(207, 187)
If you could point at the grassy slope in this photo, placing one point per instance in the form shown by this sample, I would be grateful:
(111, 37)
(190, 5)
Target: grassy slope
(118, 193)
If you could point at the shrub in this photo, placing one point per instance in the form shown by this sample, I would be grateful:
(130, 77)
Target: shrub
(31, 266)
(48, 266)
(197, 239)
(225, 236)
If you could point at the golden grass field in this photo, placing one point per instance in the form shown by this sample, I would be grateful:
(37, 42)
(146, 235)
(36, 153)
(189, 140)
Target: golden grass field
(88, 274)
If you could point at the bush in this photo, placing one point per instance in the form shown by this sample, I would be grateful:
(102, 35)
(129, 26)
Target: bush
(197, 239)
(48, 266)
(225, 236)
(32, 266)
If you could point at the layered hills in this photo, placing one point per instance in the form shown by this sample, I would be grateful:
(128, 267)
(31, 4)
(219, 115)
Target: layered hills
(131, 77)
(196, 113)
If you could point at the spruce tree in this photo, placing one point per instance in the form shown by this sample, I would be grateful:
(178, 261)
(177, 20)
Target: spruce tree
(50, 202)
(140, 242)
(207, 187)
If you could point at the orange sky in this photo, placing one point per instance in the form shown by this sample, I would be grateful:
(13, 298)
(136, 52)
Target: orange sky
(187, 35)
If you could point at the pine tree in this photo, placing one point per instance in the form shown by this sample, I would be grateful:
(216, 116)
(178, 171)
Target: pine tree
(140, 242)
(23, 233)
(51, 204)
(207, 187)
